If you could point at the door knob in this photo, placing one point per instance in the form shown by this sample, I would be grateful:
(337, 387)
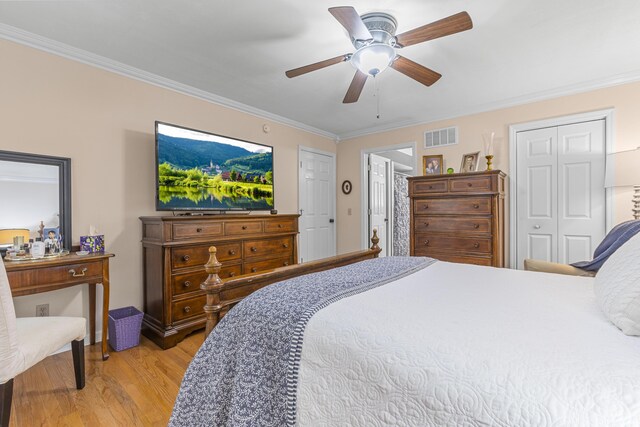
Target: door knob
(537, 227)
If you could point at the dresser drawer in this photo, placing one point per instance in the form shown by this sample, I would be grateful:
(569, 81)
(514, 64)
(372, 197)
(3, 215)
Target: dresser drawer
(270, 264)
(279, 226)
(439, 224)
(72, 273)
(470, 184)
(199, 255)
(195, 230)
(453, 205)
(268, 247)
(434, 243)
(188, 308)
(425, 187)
(190, 282)
(477, 260)
(242, 228)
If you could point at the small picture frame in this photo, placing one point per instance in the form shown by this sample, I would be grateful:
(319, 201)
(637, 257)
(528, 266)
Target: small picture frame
(432, 165)
(51, 236)
(469, 162)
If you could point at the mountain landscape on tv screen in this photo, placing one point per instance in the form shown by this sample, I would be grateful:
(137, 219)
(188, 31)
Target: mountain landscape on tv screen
(195, 174)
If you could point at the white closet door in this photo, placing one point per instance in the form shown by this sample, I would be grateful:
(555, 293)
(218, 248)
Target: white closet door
(581, 193)
(537, 195)
(379, 170)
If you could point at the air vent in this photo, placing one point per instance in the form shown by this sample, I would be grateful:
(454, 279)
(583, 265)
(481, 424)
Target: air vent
(441, 137)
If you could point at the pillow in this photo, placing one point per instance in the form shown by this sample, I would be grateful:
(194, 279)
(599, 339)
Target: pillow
(617, 287)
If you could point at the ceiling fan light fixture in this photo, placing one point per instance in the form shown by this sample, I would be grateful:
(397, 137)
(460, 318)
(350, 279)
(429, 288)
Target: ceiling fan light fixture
(374, 58)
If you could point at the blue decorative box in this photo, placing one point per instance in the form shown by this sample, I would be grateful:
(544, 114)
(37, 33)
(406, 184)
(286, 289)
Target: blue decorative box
(92, 243)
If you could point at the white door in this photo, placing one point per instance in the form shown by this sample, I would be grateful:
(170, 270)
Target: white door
(317, 205)
(379, 193)
(560, 194)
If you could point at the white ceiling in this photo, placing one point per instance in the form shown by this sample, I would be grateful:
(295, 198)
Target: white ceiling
(237, 52)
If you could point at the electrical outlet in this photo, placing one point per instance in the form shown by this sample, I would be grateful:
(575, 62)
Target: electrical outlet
(42, 310)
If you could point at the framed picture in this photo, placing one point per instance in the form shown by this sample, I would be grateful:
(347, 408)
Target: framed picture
(469, 162)
(432, 165)
(51, 236)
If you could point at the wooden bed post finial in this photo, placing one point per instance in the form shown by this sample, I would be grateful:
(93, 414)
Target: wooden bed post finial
(374, 240)
(212, 287)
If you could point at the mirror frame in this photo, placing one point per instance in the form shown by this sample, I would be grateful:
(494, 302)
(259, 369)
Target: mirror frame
(64, 185)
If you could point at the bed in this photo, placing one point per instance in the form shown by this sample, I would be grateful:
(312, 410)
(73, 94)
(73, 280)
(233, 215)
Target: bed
(415, 341)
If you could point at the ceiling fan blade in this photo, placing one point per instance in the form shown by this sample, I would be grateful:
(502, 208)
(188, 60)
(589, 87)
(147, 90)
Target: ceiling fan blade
(444, 27)
(350, 20)
(315, 66)
(355, 88)
(416, 71)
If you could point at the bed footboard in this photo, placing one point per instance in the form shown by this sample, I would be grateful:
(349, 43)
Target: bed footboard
(223, 294)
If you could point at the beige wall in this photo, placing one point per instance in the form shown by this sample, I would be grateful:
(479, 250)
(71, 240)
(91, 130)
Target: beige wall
(624, 99)
(105, 123)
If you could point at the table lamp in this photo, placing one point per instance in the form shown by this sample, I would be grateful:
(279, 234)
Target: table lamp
(623, 170)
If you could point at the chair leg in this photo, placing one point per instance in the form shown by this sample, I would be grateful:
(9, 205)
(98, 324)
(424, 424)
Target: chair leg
(77, 349)
(6, 395)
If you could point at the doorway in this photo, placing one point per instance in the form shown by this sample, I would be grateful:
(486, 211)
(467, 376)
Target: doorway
(560, 210)
(317, 204)
(385, 198)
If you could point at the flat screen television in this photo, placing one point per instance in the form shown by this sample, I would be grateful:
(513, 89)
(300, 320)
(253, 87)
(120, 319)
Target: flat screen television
(197, 170)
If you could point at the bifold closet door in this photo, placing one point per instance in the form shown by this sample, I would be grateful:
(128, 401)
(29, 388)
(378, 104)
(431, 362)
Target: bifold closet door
(560, 192)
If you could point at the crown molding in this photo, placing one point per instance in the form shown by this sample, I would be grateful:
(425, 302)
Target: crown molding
(36, 41)
(545, 95)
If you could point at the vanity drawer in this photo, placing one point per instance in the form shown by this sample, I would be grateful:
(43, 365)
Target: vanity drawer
(268, 247)
(243, 227)
(193, 256)
(269, 264)
(435, 186)
(474, 184)
(279, 226)
(439, 224)
(188, 308)
(432, 243)
(190, 282)
(196, 229)
(67, 274)
(453, 205)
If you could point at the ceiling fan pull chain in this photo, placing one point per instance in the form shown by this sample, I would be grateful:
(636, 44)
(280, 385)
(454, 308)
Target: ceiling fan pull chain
(377, 95)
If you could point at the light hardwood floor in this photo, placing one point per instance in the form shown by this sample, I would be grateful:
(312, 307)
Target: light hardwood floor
(135, 387)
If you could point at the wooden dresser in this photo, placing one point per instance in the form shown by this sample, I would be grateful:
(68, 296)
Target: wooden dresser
(459, 217)
(175, 249)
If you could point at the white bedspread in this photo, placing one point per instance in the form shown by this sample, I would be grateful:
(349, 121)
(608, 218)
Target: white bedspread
(457, 344)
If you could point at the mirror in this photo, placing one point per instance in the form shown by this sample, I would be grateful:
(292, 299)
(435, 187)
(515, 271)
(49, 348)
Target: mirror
(36, 188)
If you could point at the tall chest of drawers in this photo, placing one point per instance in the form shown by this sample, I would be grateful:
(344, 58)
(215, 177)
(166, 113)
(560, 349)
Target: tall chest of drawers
(459, 217)
(175, 249)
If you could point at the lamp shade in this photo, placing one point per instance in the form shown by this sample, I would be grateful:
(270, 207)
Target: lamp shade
(623, 169)
(7, 235)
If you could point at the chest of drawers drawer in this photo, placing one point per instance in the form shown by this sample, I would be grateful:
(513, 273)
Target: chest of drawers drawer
(242, 228)
(267, 247)
(190, 282)
(269, 264)
(192, 256)
(196, 230)
(430, 242)
(453, 205)
(187, 308)
(279, 226)
(432, 186)
(478, 183)
(448, 224)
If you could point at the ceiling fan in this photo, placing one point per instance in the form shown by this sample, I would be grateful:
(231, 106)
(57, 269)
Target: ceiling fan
(373, 37)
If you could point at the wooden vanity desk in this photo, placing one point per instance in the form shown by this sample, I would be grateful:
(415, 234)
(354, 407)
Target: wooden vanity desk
(44, 275)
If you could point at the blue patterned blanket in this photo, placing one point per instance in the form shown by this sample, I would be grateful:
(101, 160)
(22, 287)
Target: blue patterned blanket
(245, 373)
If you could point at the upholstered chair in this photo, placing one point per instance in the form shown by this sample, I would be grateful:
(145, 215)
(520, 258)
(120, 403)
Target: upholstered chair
(26, 341)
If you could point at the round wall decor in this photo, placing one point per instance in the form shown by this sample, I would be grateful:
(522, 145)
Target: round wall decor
(346, 187)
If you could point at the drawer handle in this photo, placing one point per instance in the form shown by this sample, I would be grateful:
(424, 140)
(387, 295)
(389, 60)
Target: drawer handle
(198, 230)
(469, 184)
(254, 249)
(186, 284)
(232, 273)
(232, 251)
(426, 243)
(244, 227)
(279, 225)
(425, 206)
(285, 245)
(285, 263)
(426, 224)
(187, 309)
(476, 245)
(253, 270)
(186, 258)
(476, 225)
(73, 272)
(476, 206)
(430, 187)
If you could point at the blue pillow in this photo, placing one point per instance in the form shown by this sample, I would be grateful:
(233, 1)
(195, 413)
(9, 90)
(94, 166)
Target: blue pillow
(612, 241)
